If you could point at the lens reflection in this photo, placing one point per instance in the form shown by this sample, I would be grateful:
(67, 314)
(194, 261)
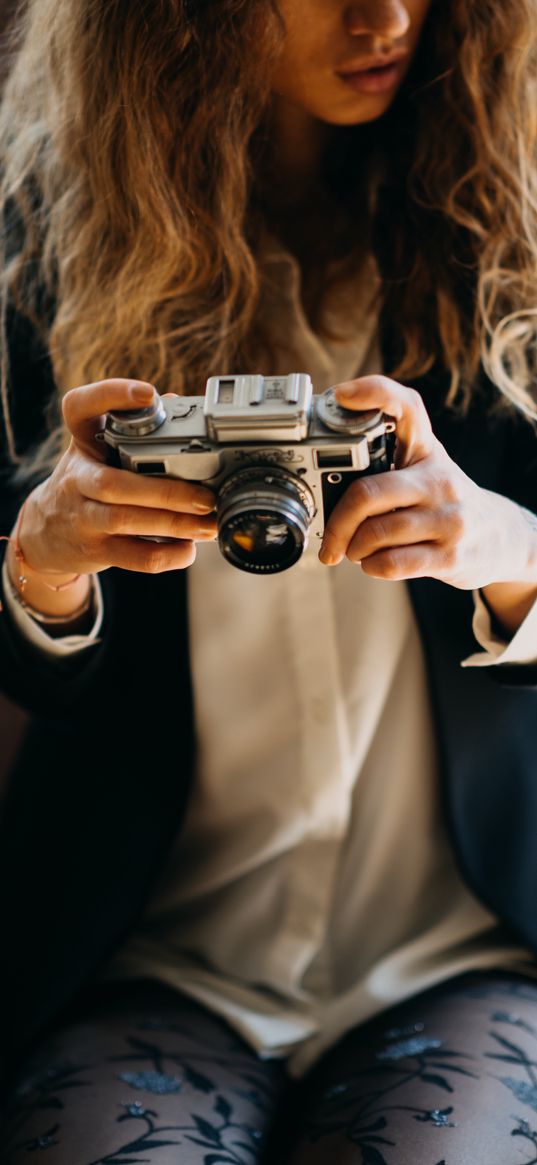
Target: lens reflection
(263, 519)
(261, 542)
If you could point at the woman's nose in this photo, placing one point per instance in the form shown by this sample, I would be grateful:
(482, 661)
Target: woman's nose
(389, 18)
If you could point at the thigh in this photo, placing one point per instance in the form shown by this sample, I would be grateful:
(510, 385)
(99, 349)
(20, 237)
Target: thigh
(141, 1073)
(448, 1078)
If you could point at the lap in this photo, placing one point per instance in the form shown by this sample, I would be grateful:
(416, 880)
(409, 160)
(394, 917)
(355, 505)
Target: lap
(447, 1078)
(144, 1074)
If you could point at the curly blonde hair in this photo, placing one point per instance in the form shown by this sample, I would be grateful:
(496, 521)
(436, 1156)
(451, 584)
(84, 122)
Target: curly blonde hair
(135, 154)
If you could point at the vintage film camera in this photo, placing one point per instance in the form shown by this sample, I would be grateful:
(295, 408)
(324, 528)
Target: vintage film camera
(277, 456)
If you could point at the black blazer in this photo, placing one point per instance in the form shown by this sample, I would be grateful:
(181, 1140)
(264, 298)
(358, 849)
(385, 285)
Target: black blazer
(98, 790)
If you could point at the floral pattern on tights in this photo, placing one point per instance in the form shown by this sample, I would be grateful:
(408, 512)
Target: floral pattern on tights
(360, 1106)
(226, 1141)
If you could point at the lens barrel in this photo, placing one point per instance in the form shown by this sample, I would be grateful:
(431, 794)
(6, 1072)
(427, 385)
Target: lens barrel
(263, 517)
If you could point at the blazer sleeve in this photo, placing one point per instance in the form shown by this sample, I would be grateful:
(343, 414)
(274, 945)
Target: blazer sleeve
(44, 685)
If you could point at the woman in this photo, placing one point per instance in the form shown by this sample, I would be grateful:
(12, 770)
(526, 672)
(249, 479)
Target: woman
(268, 862)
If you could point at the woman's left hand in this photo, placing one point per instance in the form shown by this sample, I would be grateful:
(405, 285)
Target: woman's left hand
(427, 518)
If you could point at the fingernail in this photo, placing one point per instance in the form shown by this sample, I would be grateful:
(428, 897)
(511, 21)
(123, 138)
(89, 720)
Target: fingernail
(142, 393)
(327, 557)
(204, 503)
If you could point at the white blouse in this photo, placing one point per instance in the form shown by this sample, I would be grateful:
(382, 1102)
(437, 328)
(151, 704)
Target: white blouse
(312, 884)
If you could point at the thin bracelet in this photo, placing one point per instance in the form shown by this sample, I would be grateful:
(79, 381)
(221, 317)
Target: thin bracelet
(22, 564)
(52, 620)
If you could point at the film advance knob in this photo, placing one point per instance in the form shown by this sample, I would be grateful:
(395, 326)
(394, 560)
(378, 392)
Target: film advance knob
(340, 420)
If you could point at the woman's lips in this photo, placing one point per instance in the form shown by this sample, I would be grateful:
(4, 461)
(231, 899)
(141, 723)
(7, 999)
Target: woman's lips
(373, 80)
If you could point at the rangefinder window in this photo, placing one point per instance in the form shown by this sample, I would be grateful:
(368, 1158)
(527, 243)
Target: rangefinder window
(334, 459)
(149, 467)
(226, 389)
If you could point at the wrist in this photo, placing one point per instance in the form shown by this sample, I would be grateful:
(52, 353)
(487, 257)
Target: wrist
(511, 597)
(43, 592)
(509, 604)
(37, 592)
(53, 577)
(511, 553)
(77, 620)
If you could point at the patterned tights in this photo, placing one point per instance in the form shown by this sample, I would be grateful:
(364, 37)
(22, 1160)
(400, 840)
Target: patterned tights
(140, 1073)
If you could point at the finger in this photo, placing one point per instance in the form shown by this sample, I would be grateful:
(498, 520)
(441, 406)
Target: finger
(377, 493)
(84, 408)
(148, 557)
(402, 528)
(421, 561)
(140, 521)
(415, 437)
(105, 483)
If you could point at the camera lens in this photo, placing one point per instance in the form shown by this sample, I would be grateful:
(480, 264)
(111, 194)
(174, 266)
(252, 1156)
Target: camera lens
(263, 516)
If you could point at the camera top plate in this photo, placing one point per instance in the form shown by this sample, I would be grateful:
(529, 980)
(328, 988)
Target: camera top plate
(238, 405)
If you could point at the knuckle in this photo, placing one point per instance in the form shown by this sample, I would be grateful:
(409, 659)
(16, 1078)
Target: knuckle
(450, 557)
(103, 482)
(375, 528)
(447, 486)
(112, 519)
(180, 524)
(416, 402)
(156, 560)
(68, 498)
(165, 495)
(417, 406)
(171, 493)
(66, 403)
(388, 564)
(456, 521)
(65, 483)
(442, 486)
(363, 489)
(85, 546)
(415, 397)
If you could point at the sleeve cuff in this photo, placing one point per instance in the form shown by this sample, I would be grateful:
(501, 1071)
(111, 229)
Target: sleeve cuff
(522, 648)
(36, 634)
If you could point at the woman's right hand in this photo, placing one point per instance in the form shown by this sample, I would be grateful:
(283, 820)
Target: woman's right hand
(88, 516)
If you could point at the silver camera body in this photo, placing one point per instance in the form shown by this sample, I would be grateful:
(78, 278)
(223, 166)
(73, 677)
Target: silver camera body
(277, 457)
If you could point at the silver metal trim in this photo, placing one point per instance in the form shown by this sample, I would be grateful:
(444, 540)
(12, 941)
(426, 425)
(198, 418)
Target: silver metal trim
(340, 420)
(137, 422)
